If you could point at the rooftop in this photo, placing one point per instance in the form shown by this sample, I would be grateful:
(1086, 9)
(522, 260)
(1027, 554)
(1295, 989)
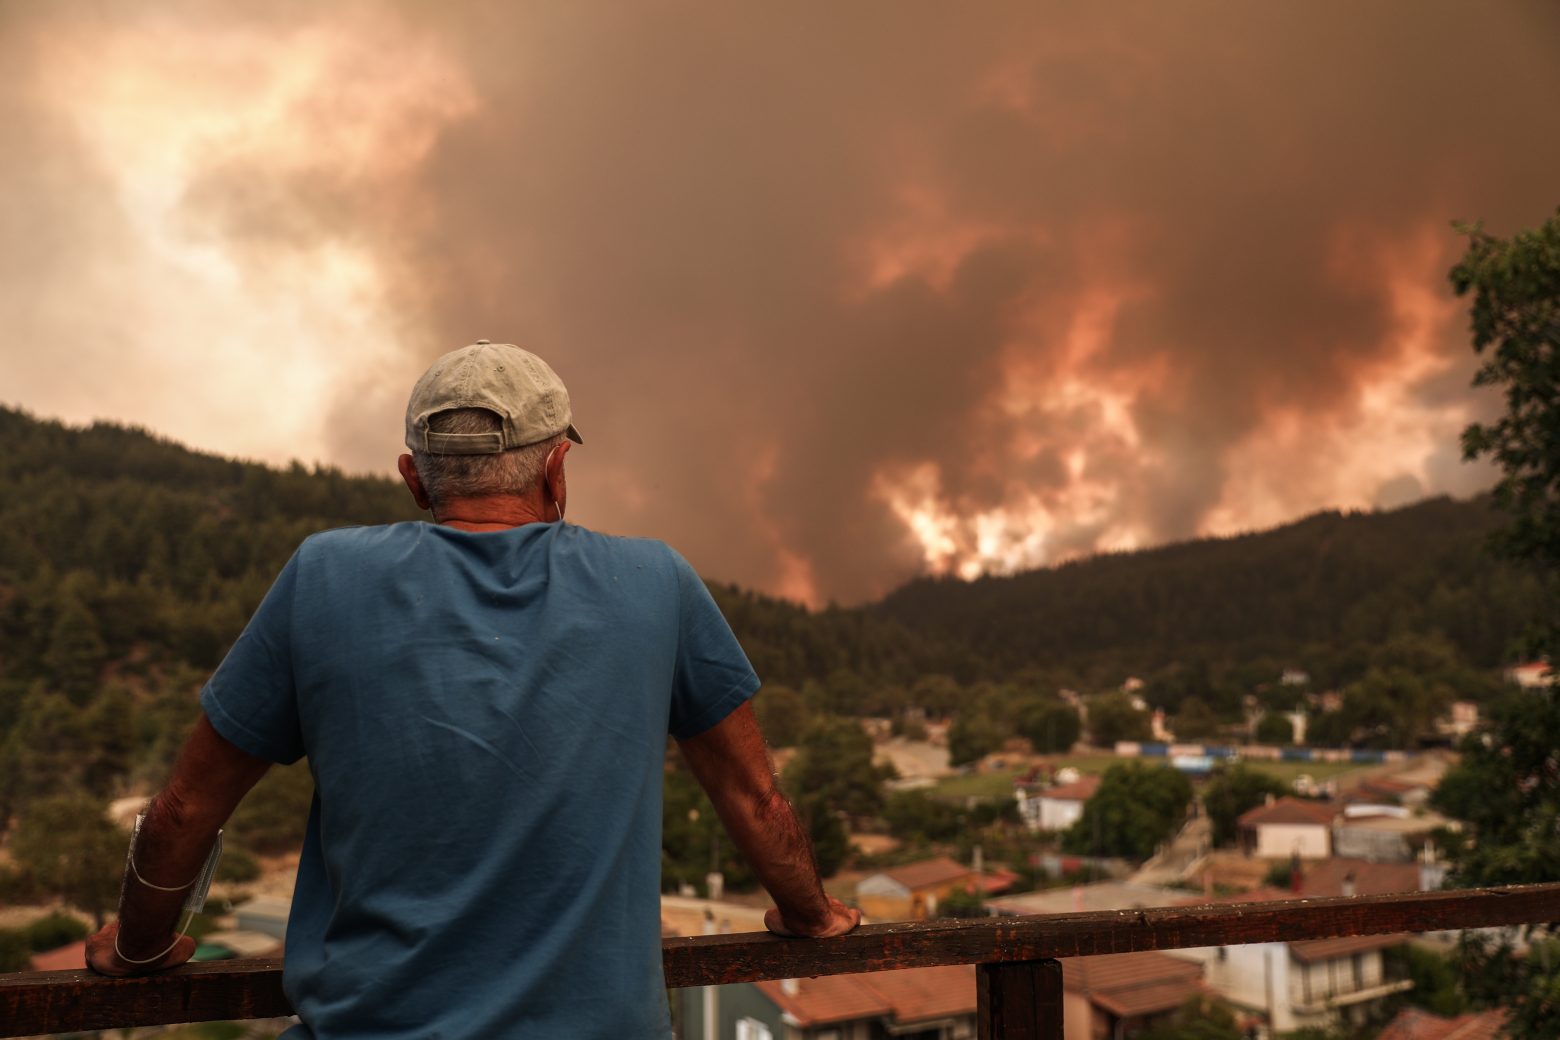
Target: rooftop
(1396, 823)
(905, 996)
(1290, 810)
(71, 957)
(1081, 790)
(1326, 877)
(1417, 1024)
(928, 873)
(1131, 984)
(1102, 895)
(1312, 950)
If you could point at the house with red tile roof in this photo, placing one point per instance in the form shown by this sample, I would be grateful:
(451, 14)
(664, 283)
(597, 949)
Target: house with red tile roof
(1286, 826)
(1110, 995)
(931, 1003)
(1418, 1024)
(70, 957)
(1340, 876)
(1531, 675)
(1116, 994)
(912, 891)
(1294, 985)
(1055, 808)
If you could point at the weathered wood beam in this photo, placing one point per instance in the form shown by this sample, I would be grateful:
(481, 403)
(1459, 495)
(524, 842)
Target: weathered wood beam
(719, 959)
(65, 1001)
(1019, 1000)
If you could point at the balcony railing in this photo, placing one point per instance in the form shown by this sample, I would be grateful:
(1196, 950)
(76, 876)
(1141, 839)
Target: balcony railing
(1018, 976)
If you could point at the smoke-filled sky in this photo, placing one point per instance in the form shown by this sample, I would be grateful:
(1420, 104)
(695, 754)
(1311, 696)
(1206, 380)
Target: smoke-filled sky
(842, 292)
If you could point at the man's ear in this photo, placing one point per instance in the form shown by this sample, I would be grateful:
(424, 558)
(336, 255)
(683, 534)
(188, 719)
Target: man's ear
(552, 475)
(414, 483)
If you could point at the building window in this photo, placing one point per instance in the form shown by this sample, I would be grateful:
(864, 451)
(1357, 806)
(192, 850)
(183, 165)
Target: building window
(752, 1029)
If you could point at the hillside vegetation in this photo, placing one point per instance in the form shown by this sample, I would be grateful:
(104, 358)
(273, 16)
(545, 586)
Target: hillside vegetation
(128, 564)
(1316, 593)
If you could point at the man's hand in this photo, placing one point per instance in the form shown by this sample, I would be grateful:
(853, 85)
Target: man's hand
(840, 919)
(102, 958)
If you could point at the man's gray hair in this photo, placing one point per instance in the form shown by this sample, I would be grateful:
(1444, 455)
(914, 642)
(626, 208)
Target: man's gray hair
(514, 472)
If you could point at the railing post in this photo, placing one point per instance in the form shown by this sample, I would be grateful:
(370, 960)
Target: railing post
(1019, 1000)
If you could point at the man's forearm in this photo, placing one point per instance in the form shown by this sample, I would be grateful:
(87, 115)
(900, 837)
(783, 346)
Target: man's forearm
(771, 837)
(168, 855)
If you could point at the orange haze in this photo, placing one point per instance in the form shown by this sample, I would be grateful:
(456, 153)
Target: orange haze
(843, 294)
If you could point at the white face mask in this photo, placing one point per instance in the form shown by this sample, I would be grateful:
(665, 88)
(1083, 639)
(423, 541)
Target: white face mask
(547, 467)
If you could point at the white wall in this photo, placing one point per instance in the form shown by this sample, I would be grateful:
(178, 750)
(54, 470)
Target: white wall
(1280, 840)
(1336, 977)
(1058, 814)
(1241, 976)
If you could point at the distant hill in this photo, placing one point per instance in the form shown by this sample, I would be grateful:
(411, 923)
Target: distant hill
(165, 551)
(1320, 585)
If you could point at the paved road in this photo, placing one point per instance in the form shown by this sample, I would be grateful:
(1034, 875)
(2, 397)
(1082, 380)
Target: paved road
(1170, 865)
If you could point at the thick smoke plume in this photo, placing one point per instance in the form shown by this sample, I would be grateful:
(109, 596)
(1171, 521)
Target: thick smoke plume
(842, 294)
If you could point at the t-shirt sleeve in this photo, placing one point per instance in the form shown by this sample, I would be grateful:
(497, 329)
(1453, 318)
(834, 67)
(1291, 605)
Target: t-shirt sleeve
(251, 699)
(712, 675)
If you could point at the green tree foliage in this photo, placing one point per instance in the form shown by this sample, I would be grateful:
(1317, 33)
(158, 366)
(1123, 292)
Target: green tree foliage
(962, 903)
(1112, 717)
(937, 695)
(1232, 791)
(49, 748)
(65, 843)
(1515, 317)
(1506, 790)
(833, 765)
(1275, 728)
(827, 832)
(1051, 726)
(972, 735)
(1507, 786)
(1320, 592)
(1435, 978)
(53, 931)
(110, 723)
(692, 842)
(782, 714)
(76, 651)
(1194, 720)
(15, 954)
(918, 818)
(1200, 1018)
(237, 865)
(1391, 708)
(1137, 807)
(274, 815)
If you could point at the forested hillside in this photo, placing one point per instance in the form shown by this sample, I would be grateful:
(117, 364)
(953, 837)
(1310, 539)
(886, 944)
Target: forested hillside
(128, 564)
(1317, 593)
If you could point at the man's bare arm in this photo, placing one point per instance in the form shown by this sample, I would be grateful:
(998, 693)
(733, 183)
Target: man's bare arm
(731, 762)
(209, 779)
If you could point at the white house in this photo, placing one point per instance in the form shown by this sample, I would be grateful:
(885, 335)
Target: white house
(1300, 984)
(1056, 808)
(1531, 675)
(1385, 833)
(1295, 985)
(1288, 826)
(1291, 984)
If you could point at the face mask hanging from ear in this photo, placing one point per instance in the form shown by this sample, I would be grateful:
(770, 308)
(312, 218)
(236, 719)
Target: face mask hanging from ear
(546, 468)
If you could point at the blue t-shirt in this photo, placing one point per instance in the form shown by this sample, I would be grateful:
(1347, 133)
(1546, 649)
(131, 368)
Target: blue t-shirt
(485, 716)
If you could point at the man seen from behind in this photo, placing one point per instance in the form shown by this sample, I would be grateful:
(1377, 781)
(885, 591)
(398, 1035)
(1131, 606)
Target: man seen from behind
(484, 702)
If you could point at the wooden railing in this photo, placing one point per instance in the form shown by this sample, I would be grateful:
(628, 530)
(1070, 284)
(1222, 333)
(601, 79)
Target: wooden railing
(1018, 976)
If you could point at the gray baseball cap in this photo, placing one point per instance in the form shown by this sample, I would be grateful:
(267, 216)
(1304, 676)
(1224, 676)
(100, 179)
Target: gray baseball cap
(514, 384)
